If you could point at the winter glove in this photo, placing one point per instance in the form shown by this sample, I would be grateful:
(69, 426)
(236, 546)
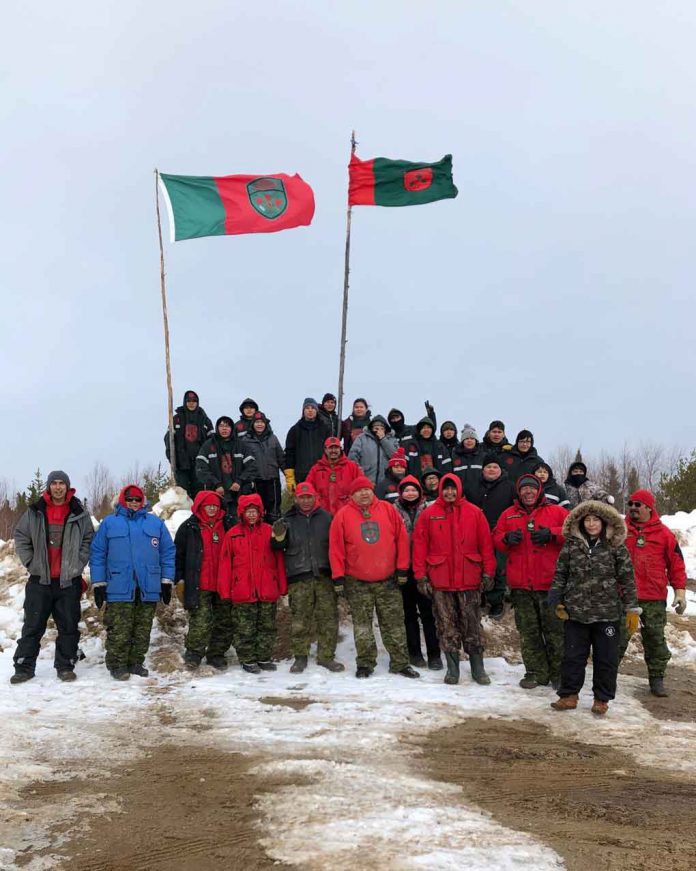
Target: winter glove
(166, 591)
(513, 538)
(633, 620)
(541, 535)
(429, 410)
(679, 601)
(561, 612)
(487, 583)
(99, 594)
(290, 479)
(401, 578)
(338, 585)
(179, 590)
(280, 530)
(424, 588)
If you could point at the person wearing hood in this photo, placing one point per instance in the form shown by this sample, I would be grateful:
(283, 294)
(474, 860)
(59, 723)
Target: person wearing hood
(401, 430)
(529, 533)
(593, 593)
(493, 495)
(225, 465)
(430, 479)
(580, 489)
(448, 436)
(369, 554)
(495, 441)
(52, 540)
(302, 535)
(657, 561)
(522, 459)
(247, 409)
(132, 563)
(328, 414)
(198, 544)
(269, 462)
(373, 449)
(192, 427)
(467, 460)
(453, 561)
(553, 491)
(332, 476)
(424, 450)
(252, 576)
(304, 444)
(417, 607)
(355, 423)
(388, 487)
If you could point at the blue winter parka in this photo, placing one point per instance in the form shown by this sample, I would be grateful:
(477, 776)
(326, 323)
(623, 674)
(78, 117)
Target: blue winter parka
(132, 549)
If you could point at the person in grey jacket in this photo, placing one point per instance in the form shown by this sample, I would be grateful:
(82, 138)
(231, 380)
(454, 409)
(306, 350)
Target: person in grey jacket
(52, 540)
(373, 449)
(263, 445)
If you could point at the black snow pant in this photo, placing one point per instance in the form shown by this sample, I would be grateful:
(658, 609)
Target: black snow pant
(270, 494)
(42, 601)
(187, 479)
(603, 639)
(418, 606)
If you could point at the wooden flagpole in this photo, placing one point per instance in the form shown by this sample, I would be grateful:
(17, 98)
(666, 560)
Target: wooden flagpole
(344, 316)
(165, 318)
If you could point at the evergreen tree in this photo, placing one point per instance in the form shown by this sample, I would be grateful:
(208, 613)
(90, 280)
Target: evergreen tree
(578, 456)
(155, 481)
(633, 481)
(612, 485)
(677, 492)
(36, 487)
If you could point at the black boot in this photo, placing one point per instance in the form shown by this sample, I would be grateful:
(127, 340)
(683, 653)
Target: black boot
(452, 676)
(21, 676)
(478, 672)
(435, 663)
(139, 669)
(299, 665)
(657, 687)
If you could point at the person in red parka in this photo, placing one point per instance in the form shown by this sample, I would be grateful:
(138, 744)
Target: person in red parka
(453, 559)
(529, 532)
(657, 561)
(252, 575)
(369, 555)
(332, 476)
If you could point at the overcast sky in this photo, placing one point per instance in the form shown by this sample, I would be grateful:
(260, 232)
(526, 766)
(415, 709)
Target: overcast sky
(556, 291)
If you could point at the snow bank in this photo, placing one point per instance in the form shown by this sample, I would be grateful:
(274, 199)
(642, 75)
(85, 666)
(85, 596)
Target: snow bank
(683, 525)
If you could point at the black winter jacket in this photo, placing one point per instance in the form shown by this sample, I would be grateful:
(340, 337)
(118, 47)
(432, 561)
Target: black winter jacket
(267, 453)
(306, 544)
(516, 464)
(331, 421)
(191, 429)
(493, 497)
(467, 466)
(304, 445)
(223, 462)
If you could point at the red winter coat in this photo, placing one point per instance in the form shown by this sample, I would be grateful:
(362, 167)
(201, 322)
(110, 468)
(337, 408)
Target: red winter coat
(249, 570)
(333, 494)
(658, 562)
(370, 546)
(212, 537)
(452, 543)
(530, 566)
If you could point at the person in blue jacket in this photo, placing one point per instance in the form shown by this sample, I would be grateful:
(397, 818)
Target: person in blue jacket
(132, 568)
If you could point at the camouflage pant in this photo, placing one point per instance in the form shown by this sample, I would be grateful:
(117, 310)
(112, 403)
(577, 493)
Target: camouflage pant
(652, 630)
(313, 599)
(254, 630)
(364, 597)
(458, 620)
(541, 634)
(210, 626)
(128, 627)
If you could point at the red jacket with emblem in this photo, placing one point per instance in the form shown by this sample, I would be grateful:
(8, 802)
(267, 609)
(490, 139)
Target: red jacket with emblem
(332, 482)
(530, 566)
(370, 544)
(658, 561)
(452, 543)
(249, 570)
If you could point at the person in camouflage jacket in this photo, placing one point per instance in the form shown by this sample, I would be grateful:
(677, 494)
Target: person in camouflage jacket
(593, 588)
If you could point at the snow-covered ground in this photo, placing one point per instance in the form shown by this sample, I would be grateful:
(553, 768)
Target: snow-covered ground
(359, 802)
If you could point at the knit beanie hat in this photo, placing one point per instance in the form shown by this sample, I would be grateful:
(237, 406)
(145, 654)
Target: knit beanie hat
(360, 483)
(398, 458)
(327, 396)
(489, 459)
(468, 432)
(310, 403)
(644, 496)
(57, 475)
(528, 481)
(259, 415)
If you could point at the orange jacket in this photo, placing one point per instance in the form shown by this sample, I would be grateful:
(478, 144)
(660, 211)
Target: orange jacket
(370, 545)
(333, 494)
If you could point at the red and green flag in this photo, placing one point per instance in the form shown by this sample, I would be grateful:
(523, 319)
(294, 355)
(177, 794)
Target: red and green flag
(227, 205)
(384, 182)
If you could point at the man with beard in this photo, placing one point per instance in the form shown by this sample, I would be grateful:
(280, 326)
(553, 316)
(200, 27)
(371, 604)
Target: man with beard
(192, 427)
(332, 476)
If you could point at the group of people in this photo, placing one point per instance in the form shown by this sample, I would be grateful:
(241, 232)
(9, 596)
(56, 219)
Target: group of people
(426, 532)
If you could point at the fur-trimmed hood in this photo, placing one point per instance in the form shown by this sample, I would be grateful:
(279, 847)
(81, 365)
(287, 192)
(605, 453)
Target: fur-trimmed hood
(616, 526)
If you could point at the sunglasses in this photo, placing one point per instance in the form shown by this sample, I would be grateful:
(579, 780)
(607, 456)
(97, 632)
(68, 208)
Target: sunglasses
(634, 504)
(133, 499)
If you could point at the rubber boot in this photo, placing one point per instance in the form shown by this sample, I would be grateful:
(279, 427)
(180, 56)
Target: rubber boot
(657, 687)
(478, 672)
(452, 676)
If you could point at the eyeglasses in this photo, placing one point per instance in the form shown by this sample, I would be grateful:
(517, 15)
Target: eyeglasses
(634, 504)
(133, 499)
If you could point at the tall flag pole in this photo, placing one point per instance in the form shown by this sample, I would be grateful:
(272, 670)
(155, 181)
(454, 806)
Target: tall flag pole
(346, 278)
(165, 318)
